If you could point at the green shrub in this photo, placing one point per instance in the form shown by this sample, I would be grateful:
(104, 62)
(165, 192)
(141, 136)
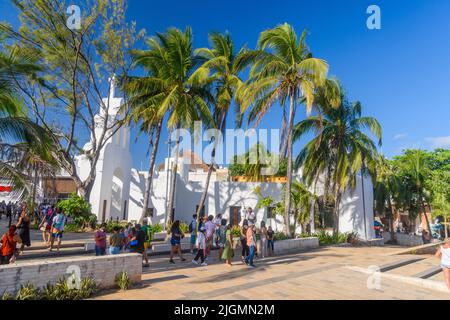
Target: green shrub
(7, 296)
(326, 239)
(111, 224)
(280, 236)
(123, 280)
(75, 206)
(28, 292)
(72, 227)
(156, 228)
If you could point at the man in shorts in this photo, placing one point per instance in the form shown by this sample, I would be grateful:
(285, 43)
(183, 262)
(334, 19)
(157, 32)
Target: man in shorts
(58, 228)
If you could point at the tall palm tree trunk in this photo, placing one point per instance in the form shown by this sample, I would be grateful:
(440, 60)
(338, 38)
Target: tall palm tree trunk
(364, 202)
(445, 227)
(287, 199)
(337, 201)
(391, 220)
(148, 184)
(173, 182)
(205, 191)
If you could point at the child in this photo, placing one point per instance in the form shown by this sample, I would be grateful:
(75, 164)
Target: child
(201, 247)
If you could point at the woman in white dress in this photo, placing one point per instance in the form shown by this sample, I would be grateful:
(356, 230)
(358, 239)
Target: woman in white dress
(444, 254)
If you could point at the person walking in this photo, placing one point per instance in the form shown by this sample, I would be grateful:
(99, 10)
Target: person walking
(193, 231)
(263, 237)
(210, 227)
(270, 238)
(24, 229)
(228, 252)
(137, 240)
(100, 240)
(245, 249)
(9, 210)
(8, 248)
(115, 241)
(148, 239)
(222, 236)
(444, 254)
(46, 225)
(175, 241)
(201, 245)
(58, 224)
(251, 243)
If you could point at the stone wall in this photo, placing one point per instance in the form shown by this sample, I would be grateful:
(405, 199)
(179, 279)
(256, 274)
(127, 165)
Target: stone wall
(103, 269)
(404, 239)
(283, 246)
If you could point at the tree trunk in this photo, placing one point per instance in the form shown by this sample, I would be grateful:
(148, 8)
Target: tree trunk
(173, 181)
(364, 203)
(287, 198)
(445, 227)
(205, 191)
(148, 184)
(391, 221)
(336, 210)
(425, 213)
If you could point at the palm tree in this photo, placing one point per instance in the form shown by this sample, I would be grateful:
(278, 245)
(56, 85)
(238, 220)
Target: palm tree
(145, 95)
(283, 69)
(225, 64)
(340, 147)
(19, 136)
(415, 169)
(177, 94)
(388, 189)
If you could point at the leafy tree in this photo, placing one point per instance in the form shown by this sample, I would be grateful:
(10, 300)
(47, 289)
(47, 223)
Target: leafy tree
(65, 93)
(283, 70)
(340, 149)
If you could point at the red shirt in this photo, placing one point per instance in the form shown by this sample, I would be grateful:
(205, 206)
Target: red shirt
(8, 245)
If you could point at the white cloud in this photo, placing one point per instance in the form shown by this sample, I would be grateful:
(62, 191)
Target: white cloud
(439, 142)
(399, 136)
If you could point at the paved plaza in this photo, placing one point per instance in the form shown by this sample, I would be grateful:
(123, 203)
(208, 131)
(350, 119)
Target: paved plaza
(326, 273)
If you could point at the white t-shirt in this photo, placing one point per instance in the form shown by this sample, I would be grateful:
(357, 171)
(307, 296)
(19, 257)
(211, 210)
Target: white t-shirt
(201, 241)
(210, 228)
(445, 258)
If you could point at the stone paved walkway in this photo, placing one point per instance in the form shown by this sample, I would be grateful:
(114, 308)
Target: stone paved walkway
(319, 274)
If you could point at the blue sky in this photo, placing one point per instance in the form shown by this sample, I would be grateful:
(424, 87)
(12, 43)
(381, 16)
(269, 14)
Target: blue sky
(399, 73)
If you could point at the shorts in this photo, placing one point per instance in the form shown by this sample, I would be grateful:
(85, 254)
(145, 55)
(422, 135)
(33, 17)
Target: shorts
(193, 239)
(58, 235)
(175, 242)
(146, 245)
(114, 250)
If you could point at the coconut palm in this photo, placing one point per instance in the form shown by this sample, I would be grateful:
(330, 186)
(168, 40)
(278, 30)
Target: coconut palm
(340, 148)
(283, 70)
(176, 93)
(220, 69)
(145, 94)
(415, 170)
(388, 190)
(19, 136)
